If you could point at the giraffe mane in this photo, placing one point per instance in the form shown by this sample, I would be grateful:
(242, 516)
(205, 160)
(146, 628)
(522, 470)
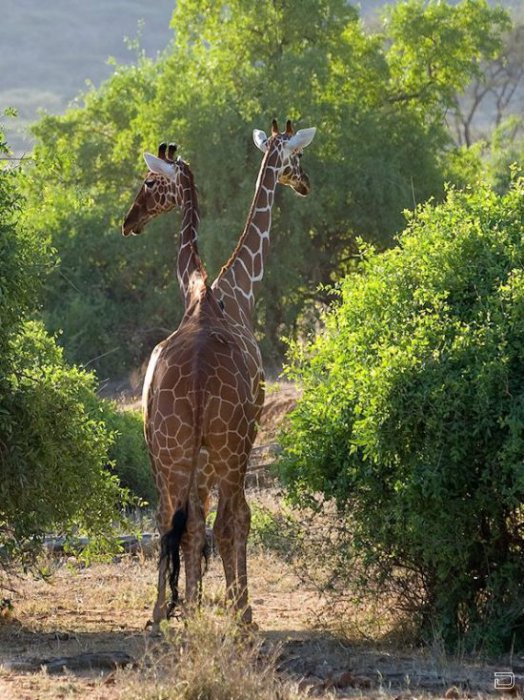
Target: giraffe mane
(244, 233)
(193, 244)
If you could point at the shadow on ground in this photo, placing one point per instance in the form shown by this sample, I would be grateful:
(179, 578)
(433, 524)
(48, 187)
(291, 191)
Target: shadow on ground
(321, 661)
(27, 650)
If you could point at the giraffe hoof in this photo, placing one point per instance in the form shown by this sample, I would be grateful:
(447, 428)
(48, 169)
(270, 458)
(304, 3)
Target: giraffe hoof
(153, 628)
(247, 616)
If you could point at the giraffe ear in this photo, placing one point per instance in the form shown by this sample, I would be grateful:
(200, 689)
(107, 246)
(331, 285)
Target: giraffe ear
(301, 139)
(260, 139)
(159, 166)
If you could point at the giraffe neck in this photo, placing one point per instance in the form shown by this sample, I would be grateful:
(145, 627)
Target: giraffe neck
(190, 269)
(242, 274)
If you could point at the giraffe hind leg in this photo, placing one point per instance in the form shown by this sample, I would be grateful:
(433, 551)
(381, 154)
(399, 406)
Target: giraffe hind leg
(204, 481)
(193, 544)
(170, 554)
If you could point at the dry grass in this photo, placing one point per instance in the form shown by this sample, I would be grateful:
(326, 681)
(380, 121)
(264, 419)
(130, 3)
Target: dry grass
(104, 608)
(308, 645)
(208, 658)
(299, 651)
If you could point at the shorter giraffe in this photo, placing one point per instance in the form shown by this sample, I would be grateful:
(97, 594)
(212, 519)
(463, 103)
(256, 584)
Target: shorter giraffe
(168, 184)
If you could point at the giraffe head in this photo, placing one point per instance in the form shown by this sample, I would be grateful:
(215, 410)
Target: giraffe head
(160, 192)
(284, 151)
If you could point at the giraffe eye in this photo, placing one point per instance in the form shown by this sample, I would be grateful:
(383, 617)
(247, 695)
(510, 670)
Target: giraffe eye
(149, 183)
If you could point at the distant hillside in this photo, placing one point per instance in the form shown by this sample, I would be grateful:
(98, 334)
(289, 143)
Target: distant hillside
(49, 49)
(368, 7)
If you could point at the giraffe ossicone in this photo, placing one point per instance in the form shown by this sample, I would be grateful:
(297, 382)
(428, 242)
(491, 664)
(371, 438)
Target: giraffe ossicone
(204, 387)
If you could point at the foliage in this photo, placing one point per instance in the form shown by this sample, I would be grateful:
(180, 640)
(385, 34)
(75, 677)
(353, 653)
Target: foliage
(412, 417)
(21, 262)
(232, 67)
(437, 49)
(279, 531)
(53, 451)
(54, 469)
(506, 149)
(128, 451)
(107, 299)
(494, 93)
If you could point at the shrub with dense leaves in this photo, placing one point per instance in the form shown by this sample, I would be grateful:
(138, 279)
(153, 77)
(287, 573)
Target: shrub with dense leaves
(54, 471)
(128, 451)
(412, 417)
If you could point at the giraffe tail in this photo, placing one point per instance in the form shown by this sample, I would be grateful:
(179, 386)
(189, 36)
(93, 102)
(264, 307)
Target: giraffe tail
(170, 550)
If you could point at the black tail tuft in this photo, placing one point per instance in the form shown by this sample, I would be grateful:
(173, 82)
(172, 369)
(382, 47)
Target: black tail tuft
(170, 548)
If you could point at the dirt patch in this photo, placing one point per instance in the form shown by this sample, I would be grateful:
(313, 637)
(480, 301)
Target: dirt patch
(100, 612)
(104, 609)
(80, 611)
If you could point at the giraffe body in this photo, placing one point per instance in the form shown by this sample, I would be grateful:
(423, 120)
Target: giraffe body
(200, 417)
(204, 391)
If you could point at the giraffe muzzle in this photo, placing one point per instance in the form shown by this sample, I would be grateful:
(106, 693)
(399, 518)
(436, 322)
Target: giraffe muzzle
(303, 188)
(131, 227)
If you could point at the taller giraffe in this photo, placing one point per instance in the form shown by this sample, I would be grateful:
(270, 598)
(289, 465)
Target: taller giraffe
(204, 393)
(238, 280)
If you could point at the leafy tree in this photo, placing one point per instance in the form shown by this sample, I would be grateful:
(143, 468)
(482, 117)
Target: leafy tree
(505, 151)
(493, 94)
(377, 100)
(106, 298)
(412, 417)
(437, 49)
(53, 451)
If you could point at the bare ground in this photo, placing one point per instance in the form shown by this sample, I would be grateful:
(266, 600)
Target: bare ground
(61, 637)
(103, 609)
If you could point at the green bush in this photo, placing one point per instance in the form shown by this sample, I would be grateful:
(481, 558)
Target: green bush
(277, 531)
(412, 417)
(129, 452)
(54, 474)
(54, 448)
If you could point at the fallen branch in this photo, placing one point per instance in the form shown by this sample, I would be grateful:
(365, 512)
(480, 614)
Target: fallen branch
(88, 660)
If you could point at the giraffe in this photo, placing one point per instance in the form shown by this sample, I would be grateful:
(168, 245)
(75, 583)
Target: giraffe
(203, 391)
(168, 184)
